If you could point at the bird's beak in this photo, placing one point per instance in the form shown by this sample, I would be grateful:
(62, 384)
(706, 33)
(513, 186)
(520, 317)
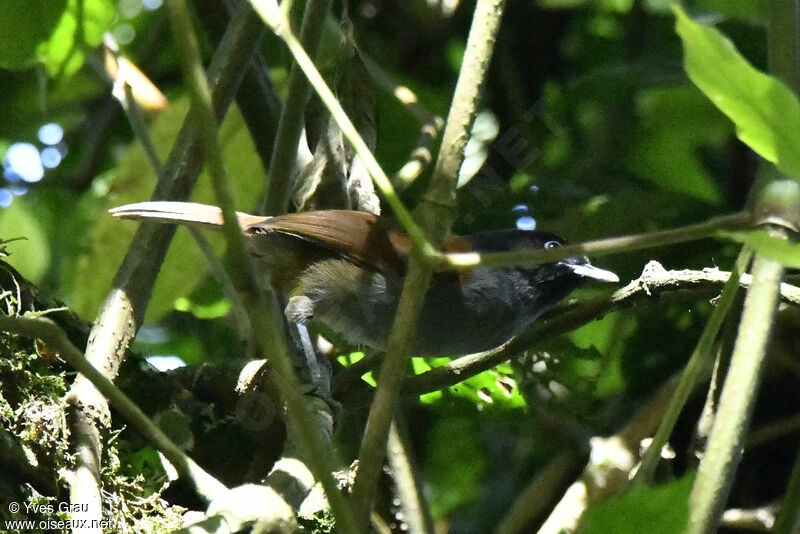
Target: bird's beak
(595, 273)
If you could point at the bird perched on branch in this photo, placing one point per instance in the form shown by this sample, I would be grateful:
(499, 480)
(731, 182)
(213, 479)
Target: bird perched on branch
(345, 269)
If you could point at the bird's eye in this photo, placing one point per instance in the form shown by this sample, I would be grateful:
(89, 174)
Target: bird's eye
(552, 244)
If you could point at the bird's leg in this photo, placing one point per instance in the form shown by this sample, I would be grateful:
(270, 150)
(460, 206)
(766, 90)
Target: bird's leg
(298, 311)
(321, 383)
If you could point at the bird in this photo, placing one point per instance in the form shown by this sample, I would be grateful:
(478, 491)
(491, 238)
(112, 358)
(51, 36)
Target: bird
(345, 269)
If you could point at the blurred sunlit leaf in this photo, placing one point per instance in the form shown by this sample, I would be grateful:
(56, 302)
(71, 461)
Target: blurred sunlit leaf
(30, 256)
(495, 387)
(184, 266)
(765, 111)
(82, 24)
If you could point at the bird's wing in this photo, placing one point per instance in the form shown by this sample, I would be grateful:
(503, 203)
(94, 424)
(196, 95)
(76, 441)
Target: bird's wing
(362, 237)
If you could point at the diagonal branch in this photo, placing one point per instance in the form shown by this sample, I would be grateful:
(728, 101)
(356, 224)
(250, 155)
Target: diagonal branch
(654, 280)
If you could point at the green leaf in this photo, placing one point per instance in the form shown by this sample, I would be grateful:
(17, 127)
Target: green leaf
(656, 510)
(24, 24)
(780, 250)
(674, 123)
(766, 112)
(495, 387)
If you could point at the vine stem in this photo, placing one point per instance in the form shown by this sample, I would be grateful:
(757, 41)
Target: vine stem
(600, 247)
(700, 359)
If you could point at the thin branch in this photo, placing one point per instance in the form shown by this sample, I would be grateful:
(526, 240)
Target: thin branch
(610, 462)
(416, 518)
(123, 310)
(241, 319)
(534, 499)
(402, 93)
(431, 124)
(700, 359)
(601, 247)
(373, 444)
(257, 98)
(266, 327)
(773, 431)
(422, 155)
(46, 330)
(139, 127)
(788, 516)
(464, 106)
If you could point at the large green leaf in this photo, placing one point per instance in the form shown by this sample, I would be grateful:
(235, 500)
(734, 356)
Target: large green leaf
(765, 111)
(24, 25)
(133, 181)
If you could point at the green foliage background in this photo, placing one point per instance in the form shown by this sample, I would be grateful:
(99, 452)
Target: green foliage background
(600, 132)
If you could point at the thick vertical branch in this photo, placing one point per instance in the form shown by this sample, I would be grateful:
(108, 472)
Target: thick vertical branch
(436, 215)
(784, 60)
(777, 200)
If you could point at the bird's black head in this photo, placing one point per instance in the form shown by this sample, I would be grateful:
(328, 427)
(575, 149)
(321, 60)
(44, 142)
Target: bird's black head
(511, 240)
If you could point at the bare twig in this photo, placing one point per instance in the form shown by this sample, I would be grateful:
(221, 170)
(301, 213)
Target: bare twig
(611, 460)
